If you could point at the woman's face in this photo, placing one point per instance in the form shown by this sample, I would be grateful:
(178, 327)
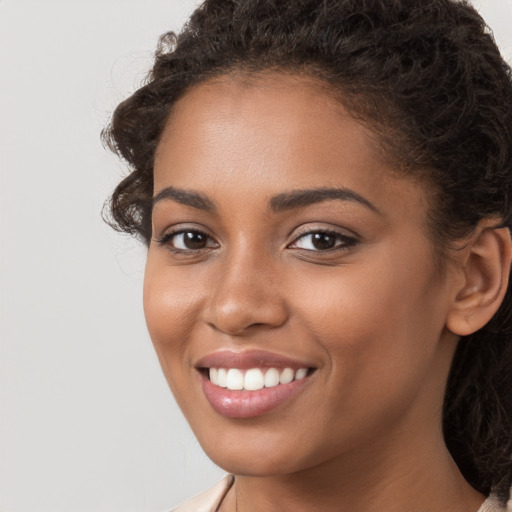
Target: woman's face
(284, 248)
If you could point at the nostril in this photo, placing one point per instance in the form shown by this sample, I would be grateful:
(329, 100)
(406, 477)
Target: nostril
(240, 300)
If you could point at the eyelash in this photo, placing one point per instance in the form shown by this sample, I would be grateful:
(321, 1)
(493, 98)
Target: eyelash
(342, 242)
(166, 240)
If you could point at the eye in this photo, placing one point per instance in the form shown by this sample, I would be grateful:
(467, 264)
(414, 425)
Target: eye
(322, 241)
(187, 240)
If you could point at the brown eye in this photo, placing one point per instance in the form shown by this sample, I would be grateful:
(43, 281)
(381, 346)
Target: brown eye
(190, 241)
(323, 241)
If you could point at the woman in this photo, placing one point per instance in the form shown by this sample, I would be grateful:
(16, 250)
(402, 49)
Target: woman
(324, 190)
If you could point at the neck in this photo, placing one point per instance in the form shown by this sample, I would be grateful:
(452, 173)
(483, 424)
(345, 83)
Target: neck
(400, 478)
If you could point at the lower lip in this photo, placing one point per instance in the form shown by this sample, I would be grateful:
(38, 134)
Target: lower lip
(248, 404)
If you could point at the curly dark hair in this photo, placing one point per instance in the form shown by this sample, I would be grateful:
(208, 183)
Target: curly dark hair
(427, 77)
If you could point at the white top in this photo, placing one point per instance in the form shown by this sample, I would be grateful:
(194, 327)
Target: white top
(210, 500)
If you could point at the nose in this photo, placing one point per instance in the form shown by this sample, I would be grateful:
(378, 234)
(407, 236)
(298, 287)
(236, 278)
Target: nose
(246, 295)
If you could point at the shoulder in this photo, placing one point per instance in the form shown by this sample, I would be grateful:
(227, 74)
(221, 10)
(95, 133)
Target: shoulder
(209, 500)
(494, 504)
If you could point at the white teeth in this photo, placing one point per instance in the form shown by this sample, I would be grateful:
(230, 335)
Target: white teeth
(254, 378)
(287, 375)
(271, 378)
(221, 377)
(235, 379)
(301, 373)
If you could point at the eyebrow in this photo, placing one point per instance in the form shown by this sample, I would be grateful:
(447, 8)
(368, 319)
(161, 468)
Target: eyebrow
(281, 202)
(186, 197)
(298, 198)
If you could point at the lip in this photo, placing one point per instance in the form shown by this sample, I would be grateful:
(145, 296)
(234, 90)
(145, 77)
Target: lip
(245, 404)
(249, 359)
(249, 404)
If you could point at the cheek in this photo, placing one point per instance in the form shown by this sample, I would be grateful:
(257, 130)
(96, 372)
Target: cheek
(170, 309)
(376, 323)
(375, 297)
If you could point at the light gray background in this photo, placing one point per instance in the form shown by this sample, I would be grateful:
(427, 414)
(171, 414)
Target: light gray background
(87, 423)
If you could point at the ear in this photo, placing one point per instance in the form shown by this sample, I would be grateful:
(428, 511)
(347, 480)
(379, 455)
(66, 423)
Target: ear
(486, 268)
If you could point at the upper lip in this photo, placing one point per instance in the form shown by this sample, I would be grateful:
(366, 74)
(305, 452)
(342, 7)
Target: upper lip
(249, 359)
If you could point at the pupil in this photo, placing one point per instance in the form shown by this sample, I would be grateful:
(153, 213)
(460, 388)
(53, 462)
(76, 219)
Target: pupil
(323, 241)
(194, 240)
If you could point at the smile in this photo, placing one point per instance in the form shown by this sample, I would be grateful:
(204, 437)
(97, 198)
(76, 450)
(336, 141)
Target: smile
(254, 379)
(252, 383)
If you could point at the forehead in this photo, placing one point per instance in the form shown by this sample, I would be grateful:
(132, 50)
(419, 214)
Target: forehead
(270, 132)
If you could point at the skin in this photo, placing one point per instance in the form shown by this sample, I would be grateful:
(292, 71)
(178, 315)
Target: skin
(370, 315)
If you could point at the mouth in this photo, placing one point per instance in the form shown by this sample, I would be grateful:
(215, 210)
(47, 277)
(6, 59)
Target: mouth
(250, 384)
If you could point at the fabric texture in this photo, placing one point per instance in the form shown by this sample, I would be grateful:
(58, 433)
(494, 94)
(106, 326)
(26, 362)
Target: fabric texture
(211, 500)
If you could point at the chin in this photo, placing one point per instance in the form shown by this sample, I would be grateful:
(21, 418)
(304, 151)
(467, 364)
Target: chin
(259, 457)
(261, 466)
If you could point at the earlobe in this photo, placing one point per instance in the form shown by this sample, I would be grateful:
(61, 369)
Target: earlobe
(486, 273)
